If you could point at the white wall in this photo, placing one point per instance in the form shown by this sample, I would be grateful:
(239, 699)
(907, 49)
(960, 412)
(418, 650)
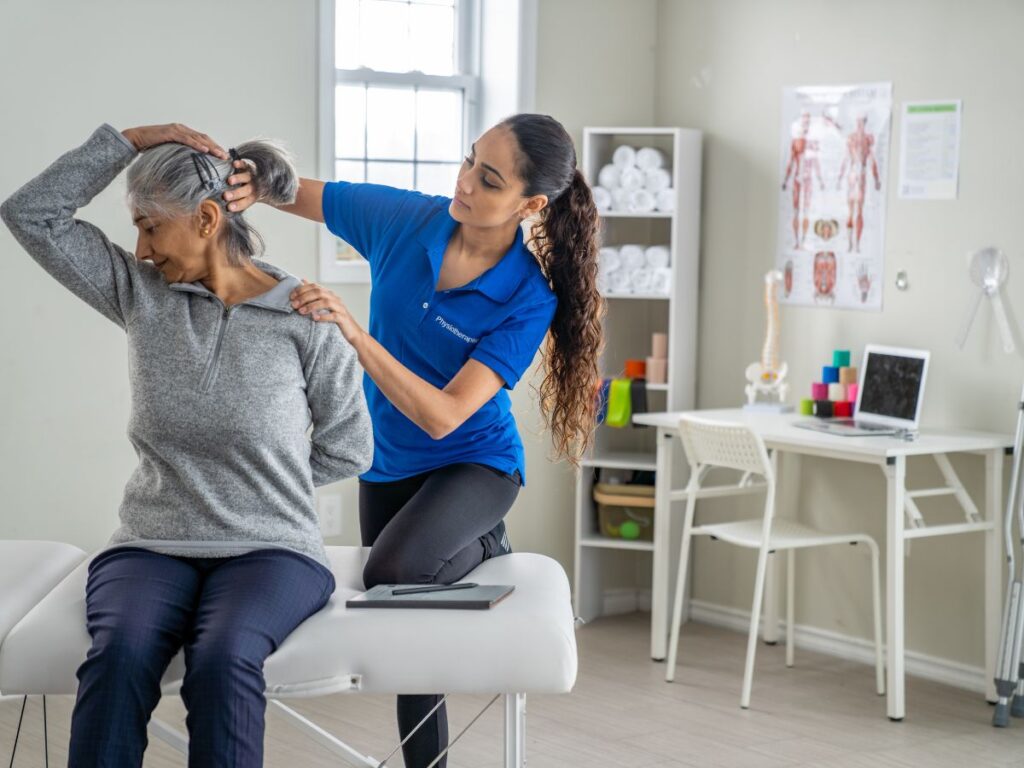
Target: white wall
(721, 67)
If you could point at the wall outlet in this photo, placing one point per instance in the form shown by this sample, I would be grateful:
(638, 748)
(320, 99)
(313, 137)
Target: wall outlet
(329, 506)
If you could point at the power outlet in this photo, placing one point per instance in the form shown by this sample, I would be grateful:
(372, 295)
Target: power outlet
(329, 506)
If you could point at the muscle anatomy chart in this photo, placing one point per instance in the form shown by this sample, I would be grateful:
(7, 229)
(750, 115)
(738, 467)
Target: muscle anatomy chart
(832, 193)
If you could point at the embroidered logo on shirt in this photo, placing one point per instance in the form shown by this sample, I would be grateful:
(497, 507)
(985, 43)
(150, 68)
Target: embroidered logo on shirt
(453, 330)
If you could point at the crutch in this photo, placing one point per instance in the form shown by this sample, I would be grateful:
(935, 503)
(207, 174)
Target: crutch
(1009, 668)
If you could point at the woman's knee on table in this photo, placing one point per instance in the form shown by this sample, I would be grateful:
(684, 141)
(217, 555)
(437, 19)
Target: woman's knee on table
(405, 565)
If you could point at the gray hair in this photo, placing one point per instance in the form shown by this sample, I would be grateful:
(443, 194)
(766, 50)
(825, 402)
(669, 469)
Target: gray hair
(165, 182)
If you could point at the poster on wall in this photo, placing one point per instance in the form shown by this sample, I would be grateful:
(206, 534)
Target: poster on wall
(832, 193)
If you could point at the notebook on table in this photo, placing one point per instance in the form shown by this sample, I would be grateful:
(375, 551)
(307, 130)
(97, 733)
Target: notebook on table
(477, 598)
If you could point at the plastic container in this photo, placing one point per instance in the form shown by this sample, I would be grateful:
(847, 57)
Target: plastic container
(625, 511)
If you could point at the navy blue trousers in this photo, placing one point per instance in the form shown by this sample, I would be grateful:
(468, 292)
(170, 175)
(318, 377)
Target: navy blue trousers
(229, 614)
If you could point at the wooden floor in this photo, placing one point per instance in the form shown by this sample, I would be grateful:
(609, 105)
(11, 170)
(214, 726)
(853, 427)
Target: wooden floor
(822, 713)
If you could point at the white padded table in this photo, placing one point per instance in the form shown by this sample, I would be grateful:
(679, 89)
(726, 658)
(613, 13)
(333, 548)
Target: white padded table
(28, 571)
(524, 644)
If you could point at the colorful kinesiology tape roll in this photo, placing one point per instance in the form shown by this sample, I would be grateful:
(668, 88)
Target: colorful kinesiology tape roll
(847, 375)
(842, 409)
(841, 358)
(851, 393)
(837, 392)
(829, 374)
(806, 406)
(819, 391)
(823, 408)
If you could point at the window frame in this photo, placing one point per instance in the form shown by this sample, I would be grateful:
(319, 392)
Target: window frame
(468, 16)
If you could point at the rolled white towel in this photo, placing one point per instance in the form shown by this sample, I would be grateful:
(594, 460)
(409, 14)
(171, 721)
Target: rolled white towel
(602, 199)
(657, 179)
(649, 157)
(641, 201)
(632, 178)
(666, 200)
(657, 256)
(661, 282)
(641, 280)
(632, 257)
(618, 281)
(608, 259)
(608, 176)
(620, 199)
(624, 156)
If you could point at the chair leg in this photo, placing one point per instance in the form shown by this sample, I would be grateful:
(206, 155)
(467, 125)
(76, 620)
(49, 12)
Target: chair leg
(677, 602)
(876, 583)
(755, 616)
(790, 601)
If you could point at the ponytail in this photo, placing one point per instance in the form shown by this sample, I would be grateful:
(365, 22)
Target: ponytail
(565, 242)
(277, 183)
(567, 246)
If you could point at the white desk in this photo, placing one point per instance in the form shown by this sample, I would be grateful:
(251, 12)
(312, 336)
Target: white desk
(903, 520)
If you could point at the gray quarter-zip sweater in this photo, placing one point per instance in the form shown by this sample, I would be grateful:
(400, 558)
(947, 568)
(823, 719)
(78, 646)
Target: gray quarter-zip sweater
(222, 397)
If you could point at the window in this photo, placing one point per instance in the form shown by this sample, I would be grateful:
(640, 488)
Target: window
(399, 94)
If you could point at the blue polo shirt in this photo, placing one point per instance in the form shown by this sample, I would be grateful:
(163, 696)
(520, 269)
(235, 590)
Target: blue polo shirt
(500, 319)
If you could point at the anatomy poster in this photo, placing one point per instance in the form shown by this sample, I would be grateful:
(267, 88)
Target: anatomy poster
(832, 192)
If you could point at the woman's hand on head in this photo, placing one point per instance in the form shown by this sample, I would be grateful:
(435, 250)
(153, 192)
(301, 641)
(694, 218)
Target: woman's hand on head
(324, 306)
(147, 136)
(243, 192)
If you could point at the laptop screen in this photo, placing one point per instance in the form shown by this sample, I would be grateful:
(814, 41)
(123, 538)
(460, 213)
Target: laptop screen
(891, 385)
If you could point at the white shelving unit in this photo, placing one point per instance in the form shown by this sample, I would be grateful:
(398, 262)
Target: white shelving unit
(631, 319)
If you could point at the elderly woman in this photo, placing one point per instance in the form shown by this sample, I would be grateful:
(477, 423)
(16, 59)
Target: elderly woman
(219, 549)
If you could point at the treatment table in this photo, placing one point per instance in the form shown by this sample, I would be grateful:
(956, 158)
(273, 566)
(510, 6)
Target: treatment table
(524, 644)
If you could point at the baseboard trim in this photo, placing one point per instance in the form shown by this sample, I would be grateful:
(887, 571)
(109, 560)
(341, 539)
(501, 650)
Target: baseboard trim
(823, 641)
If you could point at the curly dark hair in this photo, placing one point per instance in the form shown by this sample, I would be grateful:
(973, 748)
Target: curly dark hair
(565, 242)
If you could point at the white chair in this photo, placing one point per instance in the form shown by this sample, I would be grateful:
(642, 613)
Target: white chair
(710, 444)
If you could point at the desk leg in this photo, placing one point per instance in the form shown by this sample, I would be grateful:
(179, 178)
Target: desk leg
(662, 544)
(896, 487)
(994, 560)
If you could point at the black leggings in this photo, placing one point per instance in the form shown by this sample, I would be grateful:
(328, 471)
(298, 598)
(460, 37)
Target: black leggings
(431, 528)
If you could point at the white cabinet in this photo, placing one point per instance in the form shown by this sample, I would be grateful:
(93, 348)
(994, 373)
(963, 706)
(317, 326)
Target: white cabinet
(631, 319)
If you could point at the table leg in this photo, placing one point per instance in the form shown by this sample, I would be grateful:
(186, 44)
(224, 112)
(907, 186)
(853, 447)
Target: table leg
(994, 563)
(896, 476)
(660, 577)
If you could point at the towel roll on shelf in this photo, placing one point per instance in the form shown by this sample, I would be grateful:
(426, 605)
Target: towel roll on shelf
(624, 156)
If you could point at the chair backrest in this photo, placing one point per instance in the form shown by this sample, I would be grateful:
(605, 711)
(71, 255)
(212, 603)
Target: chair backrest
(724, 444)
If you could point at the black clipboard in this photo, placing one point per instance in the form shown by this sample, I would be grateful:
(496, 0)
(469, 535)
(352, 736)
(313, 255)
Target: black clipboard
(474, 599)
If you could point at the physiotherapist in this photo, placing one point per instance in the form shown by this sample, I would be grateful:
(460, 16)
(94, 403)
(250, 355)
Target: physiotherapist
(459, 305)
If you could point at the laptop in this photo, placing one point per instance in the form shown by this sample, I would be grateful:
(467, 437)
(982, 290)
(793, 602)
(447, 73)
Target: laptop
(889, 395)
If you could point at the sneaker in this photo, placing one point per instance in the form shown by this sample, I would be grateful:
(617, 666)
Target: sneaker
(496, 541)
